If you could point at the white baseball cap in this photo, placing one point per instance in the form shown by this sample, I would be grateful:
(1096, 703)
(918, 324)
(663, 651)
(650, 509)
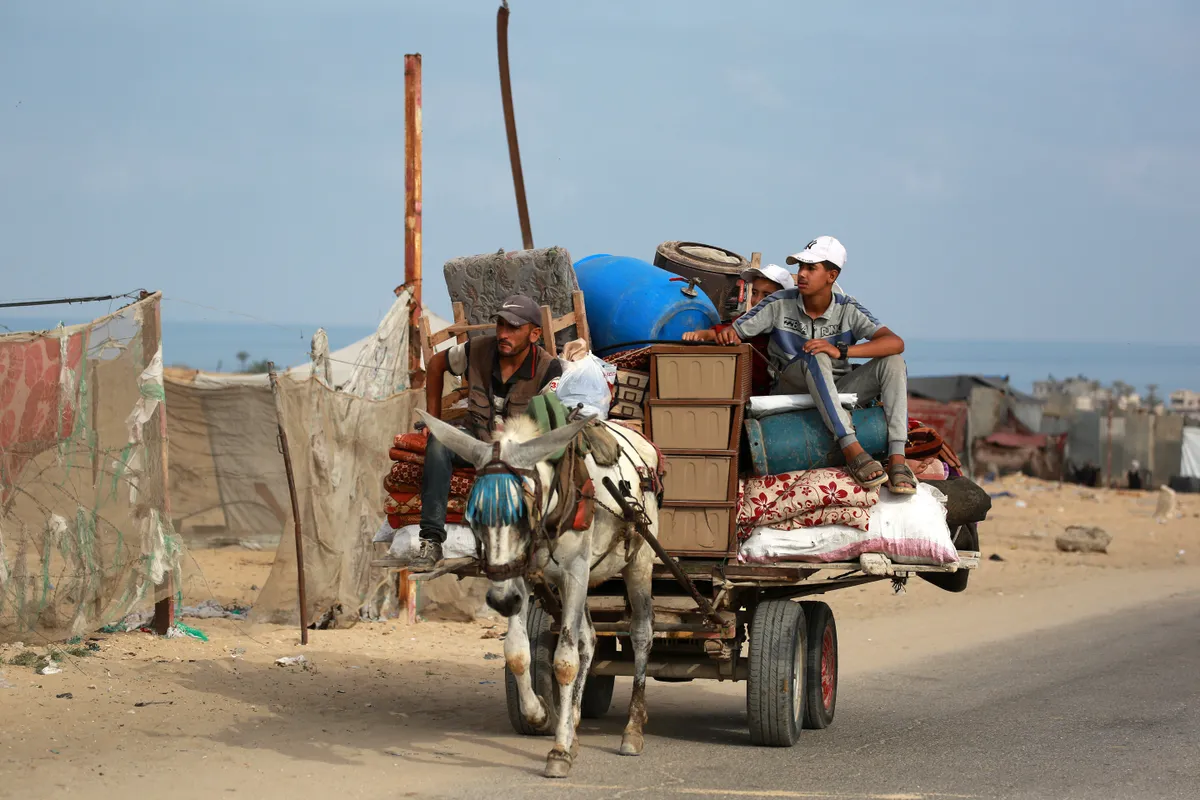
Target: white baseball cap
(772, 272)
(822, 248)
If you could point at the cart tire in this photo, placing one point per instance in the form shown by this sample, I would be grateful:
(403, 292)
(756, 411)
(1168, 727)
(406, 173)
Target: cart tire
(966, 537)
(778, 660)
(541, 670)
(820, 690)
(598, 689)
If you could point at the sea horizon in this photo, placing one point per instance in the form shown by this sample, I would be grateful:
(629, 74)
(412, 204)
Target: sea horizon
(214, 346)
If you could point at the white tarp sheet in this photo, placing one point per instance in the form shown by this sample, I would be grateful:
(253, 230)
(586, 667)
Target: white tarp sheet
(1190, 466)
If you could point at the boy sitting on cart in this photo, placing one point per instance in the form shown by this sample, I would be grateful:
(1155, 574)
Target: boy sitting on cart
(813, 333)
(762, 282)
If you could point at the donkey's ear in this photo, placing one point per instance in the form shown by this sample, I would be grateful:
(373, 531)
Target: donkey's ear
(527, 455)
(462, 444)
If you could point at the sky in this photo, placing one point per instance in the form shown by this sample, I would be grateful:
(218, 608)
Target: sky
(1023, 171)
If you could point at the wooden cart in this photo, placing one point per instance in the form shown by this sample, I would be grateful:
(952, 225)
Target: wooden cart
(715, 618)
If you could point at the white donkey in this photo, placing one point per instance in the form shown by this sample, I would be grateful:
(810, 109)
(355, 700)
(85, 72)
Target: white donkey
(513, 480)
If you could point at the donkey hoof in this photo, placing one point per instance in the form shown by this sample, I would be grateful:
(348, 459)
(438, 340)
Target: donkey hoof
(631, 744)
(558, 764)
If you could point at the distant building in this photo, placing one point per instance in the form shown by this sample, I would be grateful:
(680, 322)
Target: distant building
(1080, 394)
(1185, 401)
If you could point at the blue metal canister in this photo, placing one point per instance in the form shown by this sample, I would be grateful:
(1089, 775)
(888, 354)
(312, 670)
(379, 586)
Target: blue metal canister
(630, 300)
(799, 440)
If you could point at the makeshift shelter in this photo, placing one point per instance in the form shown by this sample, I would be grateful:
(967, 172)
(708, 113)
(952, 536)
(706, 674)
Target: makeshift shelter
(340, 413)
(1190, 461)
(973, 408)
(1102, 442)
(227, 480)
(84, 533)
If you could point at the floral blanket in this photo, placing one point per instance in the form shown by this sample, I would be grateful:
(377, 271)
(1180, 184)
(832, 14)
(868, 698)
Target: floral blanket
(803, 499)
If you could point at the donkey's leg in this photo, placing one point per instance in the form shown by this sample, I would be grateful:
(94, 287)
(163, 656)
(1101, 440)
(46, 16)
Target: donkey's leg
(566, 662)
(641, 636)
(587, 650)
(518, 659)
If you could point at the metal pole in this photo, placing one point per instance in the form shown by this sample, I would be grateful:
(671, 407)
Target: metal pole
(291, 479)
(510, 125)
(412, 211)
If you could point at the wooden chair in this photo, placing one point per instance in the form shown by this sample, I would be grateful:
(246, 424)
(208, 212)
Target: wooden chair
(458, 330)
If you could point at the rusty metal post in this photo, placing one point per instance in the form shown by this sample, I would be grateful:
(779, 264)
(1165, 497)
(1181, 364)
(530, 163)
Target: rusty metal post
(412, 212)
(291, 479)
(510, 125)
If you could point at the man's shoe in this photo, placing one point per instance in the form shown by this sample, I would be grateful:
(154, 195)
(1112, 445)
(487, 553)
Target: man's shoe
(428, 556)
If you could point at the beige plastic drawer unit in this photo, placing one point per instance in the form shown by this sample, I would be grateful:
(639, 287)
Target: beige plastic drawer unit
(696, 478)
(630, 394)
(633, 380)
(703, 530)
(690, 427)
(696, 377)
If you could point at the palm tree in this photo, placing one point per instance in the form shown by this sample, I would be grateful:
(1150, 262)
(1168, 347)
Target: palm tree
(1152, 396)
(242, 358)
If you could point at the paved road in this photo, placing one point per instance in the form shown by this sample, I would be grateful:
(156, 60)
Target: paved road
(1109, 708)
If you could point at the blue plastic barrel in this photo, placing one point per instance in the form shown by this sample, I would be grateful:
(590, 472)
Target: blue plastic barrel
(630, 300)
(799, 440)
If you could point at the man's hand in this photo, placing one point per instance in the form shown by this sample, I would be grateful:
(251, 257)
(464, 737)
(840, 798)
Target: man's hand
(815, 347)
(728, 336)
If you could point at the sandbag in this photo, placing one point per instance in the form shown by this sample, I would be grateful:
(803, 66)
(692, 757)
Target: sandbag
(909, 529)
(966, 501)
(460, 542)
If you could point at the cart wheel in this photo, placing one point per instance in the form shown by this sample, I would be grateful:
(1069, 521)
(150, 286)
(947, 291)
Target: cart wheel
(820, 691)
(541, 670)
(598, 689)
(775, 689)
(966, 537)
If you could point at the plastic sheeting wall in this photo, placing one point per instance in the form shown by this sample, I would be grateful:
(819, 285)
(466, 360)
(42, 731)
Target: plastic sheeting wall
(84, 535)
(1190, 457)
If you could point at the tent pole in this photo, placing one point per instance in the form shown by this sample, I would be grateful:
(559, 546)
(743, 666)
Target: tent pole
(156, 439)
(412, 258)
(412, 211)
(291, 479)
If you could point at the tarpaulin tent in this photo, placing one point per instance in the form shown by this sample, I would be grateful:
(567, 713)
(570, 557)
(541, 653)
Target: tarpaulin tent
(1190, 464)
(84, 532)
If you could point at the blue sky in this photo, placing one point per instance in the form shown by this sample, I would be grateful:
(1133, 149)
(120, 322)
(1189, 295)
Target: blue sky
(1015, 170)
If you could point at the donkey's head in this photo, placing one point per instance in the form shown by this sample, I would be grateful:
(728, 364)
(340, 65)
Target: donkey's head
(508, 496)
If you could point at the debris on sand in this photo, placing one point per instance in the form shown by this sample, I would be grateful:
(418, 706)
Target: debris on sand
(1084, 539)
(1166, 503)
(296, 661)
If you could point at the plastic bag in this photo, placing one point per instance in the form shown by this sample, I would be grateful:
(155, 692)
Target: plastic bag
(588, 381)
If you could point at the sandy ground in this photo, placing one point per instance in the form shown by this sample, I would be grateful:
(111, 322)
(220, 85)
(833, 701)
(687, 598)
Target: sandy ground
(387, 709)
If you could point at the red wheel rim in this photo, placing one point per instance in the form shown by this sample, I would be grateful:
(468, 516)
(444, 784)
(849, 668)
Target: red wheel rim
(828, 668)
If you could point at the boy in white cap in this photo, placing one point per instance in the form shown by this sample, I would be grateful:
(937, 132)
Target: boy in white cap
(762, 282)
(813, 333)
